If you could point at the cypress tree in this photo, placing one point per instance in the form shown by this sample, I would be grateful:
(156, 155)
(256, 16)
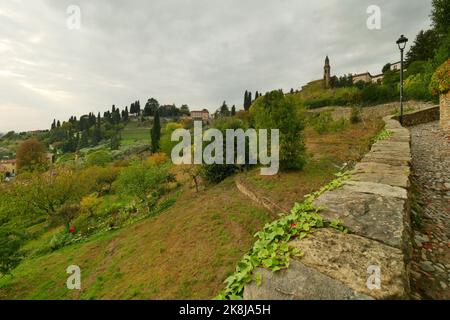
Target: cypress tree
(233, 110)
(156, 132)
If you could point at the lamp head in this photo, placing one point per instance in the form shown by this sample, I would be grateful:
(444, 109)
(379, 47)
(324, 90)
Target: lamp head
(401, 42)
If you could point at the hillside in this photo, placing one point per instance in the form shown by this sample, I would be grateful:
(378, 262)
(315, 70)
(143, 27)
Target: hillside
(187, 250)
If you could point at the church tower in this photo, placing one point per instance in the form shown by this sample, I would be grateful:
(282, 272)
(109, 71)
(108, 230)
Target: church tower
(327, 73)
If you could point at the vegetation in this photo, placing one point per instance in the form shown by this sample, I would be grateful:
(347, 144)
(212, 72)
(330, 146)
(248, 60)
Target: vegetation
(271, 250)
(277, 111)
(440, 82)
(31, 155)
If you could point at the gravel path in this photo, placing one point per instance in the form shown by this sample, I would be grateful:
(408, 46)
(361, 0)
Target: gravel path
(430, 269)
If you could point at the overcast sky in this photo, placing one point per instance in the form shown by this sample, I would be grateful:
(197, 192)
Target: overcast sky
(197, 52)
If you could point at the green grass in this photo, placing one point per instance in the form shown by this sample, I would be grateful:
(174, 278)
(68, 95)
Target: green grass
(186, 252)
(133, 133)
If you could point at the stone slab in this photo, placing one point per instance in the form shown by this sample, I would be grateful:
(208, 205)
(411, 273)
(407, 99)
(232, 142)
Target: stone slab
(347, 258)
(368, 215)
(299, 282)
(386, 159)
(375, 188)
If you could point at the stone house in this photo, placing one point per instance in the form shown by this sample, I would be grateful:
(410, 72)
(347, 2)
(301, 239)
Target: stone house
(202, 115)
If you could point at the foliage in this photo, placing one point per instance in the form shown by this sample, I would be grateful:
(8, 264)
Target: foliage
(10, 243)
(440, 82)
(99, 158)
(277, 111)
(382, 135)
(440, 16)
(141, 179)
(416, 87)
(31, 155)
(323, 122)
(355, 115)
(271, 249)
(156, 132)
(215, 173)
(424, 47)
(157, 159)
(166, 140)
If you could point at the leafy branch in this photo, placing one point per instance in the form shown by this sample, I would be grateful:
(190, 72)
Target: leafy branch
(271, 250)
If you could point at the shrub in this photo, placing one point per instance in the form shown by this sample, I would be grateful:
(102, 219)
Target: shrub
(141, 179)
(10, 243)
(157, 159)
(355, 115)
(99, 158)
(321, 122)
(60, 240)
(440, 82)
(214, 173)
(416, 87)
(277, 111)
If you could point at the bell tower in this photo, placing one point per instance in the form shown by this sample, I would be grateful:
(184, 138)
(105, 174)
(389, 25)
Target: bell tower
(327, 73)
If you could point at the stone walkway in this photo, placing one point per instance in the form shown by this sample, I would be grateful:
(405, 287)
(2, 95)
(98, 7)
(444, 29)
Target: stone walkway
(430, 269)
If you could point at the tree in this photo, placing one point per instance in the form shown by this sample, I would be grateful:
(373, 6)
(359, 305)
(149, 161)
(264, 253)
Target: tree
(440, 16)
(277, 111)
(247, 100)
(424, 47)
(31, 155)
(223, 110)
(150, 107)
(185, 110)
(156, 132)
(387, 67)
(10, 243)
(144, 181)
(233, 110)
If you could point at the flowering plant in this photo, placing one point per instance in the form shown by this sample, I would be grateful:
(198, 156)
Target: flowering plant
(440, 82)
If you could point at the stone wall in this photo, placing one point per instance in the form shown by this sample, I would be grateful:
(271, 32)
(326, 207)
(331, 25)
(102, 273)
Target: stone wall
(271, 206)
(445, 111)
(374, 205)
(422, 116)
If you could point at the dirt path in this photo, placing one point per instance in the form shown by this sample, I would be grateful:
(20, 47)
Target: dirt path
(430, 269)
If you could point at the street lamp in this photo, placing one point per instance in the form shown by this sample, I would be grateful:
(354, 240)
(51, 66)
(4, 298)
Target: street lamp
(401, 42)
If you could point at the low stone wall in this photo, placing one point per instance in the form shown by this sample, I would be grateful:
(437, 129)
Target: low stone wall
(422, 116)
(445, 111)
(245, 189)
(374, 205)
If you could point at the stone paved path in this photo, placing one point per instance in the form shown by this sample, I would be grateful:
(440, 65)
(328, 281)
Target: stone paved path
(430, 269)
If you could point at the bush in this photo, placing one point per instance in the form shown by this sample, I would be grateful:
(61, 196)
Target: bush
(416, 87)
(141, 179)
(99, 158)
(355, 115)
(321, 122)
(215, 173)
(277, 111)
(60, 240)
(10, 243)
(440, 82)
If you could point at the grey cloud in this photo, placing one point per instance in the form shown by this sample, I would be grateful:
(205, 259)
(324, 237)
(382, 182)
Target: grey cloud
(198, 52)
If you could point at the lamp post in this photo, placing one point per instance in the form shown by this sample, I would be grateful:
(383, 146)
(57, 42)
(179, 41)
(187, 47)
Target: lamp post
(401, 42)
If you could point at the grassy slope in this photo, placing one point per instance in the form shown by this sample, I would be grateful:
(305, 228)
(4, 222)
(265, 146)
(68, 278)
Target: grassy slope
(327, 152)
(184, 253)
(187, 251)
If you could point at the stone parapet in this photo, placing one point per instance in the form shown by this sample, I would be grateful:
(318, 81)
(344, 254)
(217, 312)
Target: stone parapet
(374, 205)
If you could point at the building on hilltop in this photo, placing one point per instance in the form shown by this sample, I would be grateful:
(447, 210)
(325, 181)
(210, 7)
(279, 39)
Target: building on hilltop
(365, 77)
(202, 115)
